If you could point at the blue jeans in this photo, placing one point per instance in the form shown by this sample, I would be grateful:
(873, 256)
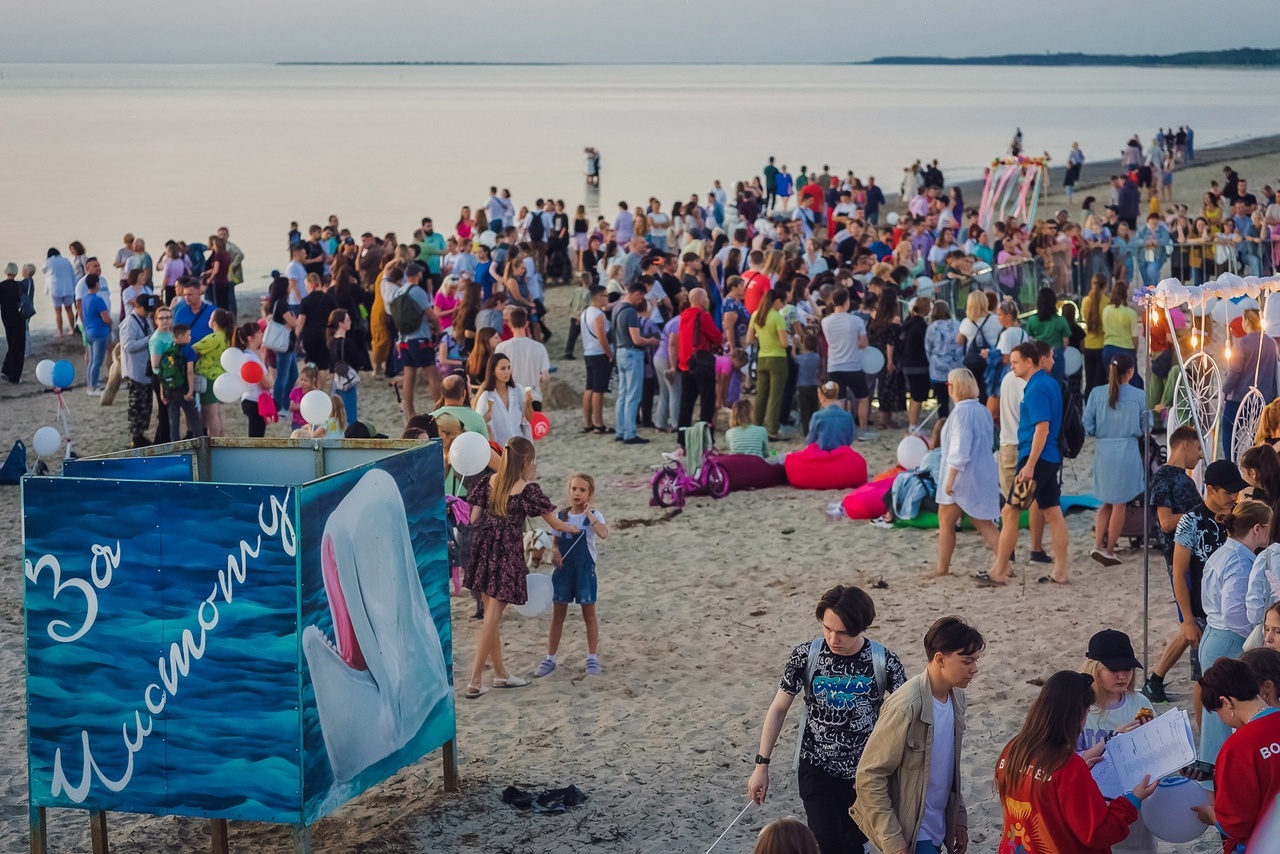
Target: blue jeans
(630, 385)
(350, 402)
(97, 355)
(286, 377)
(1230, 409)
(1150, 272)
(924, 846)
(1215, 644)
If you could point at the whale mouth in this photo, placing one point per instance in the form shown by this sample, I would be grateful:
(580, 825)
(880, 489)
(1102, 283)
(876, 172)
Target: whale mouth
(383, 672)
(344, 635)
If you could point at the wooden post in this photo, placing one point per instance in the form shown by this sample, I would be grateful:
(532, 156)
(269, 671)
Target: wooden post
(39, 830)
(218, 832)
(450, 766)
(98, 831)
(301, 839)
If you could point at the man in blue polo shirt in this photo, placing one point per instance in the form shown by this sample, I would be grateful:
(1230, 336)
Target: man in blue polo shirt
(1039, 461)
(192, 311)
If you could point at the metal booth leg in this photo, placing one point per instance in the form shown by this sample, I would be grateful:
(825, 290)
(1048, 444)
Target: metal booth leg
(39, 830)
(450, 766)
(302, 840)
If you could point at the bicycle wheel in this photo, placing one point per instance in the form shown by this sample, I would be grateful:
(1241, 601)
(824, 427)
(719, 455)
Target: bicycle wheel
(666, 492)
(716, 480)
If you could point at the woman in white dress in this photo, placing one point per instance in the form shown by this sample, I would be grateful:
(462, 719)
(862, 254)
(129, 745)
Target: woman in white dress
(505, 407)
(968, 482)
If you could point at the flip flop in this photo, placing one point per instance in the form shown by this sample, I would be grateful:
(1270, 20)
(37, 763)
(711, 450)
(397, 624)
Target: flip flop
(1049, 579)
(984, 579)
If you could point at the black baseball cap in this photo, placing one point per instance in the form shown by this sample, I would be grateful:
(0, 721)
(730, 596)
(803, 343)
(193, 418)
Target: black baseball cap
(1223, 474)
(1113, 650)
(361, 430)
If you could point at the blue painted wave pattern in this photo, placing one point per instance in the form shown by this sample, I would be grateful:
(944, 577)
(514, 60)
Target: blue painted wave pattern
(226, 742)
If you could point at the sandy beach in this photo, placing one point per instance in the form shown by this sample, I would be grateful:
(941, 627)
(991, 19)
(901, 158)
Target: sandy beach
(699, 611)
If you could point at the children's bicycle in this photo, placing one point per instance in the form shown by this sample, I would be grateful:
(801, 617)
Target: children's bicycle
(672, 482)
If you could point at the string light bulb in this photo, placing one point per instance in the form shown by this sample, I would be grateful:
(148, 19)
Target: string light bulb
(1155, 316)
(1193, 337)
(1226, 351)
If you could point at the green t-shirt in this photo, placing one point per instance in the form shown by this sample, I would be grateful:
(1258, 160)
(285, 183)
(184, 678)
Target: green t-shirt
(748, 439)
(472, 421)
(767, 337)
(1052, 332)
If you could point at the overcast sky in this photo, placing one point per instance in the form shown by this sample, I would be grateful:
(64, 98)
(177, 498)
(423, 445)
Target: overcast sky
(612, 30)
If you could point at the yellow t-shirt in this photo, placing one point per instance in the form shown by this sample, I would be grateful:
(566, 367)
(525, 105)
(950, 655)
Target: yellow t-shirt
(1092, 340)
(1119, 326)
(768, 336)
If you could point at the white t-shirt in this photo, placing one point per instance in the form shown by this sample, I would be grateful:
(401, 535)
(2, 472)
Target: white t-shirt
(82, 291)
(295, 270)
(845, 209)
(505, 422)
(1010, 338)
(942, 765)
(252, 390)
(591, 346)
(580, 520)
(1011, 392)
(529, 361)
(991, 330)
(844, 331)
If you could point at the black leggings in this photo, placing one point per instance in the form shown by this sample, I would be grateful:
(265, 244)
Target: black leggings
(943, 396)
(702, 392)
(257, 424)
(827, 800)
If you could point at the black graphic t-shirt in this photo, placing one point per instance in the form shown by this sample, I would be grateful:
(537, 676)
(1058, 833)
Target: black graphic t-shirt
(845, 707)
(1199, 533)
(1172, 487)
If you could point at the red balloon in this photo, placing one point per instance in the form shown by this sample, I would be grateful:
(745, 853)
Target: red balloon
(1237, 327)
(540, 424)
(251, 371)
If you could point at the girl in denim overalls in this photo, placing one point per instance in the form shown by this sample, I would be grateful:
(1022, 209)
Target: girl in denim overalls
(574, 579)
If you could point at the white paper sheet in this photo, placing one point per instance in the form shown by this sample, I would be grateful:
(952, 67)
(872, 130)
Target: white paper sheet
(1156, 749)
(1104, 774)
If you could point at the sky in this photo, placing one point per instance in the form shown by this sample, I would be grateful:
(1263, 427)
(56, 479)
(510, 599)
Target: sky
(667, 31)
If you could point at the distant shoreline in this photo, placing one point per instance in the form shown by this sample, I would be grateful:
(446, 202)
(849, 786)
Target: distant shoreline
(1238, 58)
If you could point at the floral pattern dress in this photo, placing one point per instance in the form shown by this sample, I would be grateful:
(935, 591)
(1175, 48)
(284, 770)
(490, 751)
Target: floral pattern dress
(497, 566)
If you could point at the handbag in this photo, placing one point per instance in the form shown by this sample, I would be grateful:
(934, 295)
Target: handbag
(344, 377)
(276, 335)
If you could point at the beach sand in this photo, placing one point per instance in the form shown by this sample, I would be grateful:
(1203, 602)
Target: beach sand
(698, 611)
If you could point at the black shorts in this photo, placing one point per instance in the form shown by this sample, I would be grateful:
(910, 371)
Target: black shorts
(1048, 492)
(852, 383)
(598, 370)
(416, 353)
(918, 386)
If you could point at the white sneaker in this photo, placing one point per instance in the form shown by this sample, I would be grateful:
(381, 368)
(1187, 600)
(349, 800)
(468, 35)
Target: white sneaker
(867, 435)
(94, 392)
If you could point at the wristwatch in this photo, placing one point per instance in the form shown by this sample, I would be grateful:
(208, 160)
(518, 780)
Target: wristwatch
(762, 760)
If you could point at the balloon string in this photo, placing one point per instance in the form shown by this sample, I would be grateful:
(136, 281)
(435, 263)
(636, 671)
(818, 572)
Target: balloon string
(730, 827)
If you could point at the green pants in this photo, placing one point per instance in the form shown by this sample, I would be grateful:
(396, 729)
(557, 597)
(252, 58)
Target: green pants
(771, 382)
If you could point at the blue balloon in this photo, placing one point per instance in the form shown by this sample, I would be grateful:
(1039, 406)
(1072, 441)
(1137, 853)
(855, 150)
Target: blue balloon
(64, 374)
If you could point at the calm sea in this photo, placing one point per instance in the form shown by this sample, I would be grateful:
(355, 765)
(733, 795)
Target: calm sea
(173, 151)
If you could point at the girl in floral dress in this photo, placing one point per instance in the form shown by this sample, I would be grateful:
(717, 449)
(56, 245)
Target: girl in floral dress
(499, 506)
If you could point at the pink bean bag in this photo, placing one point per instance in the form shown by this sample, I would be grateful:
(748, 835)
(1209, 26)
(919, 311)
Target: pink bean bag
(747, 471)
(867, 502)
(814, 468)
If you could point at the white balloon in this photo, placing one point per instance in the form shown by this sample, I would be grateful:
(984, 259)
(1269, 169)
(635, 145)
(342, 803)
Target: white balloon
(488, 238)
(1168, 811)
(229, 387)
(1072, 361)
(47, 441)
(892, 218)
(469, 454)
(539, 585)
(316, 407)
(872, 361)
(911, 451)
(231, 360)
(44, 372)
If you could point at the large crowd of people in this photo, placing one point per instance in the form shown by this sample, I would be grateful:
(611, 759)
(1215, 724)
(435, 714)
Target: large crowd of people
(809, 311)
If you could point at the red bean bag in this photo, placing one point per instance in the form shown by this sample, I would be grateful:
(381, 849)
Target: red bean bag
(747, 471)
(867, 502)
(814, 468)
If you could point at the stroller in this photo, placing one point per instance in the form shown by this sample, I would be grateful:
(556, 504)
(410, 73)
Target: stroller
(671, 482)
(1156, 456)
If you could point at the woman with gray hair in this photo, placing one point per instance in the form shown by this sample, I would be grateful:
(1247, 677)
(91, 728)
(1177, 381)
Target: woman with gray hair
(15, 324)
(968, 482)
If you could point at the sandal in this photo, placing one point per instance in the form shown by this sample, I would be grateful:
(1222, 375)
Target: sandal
(475, 693)
(1049, 579)
(511, 682)
(984, 579)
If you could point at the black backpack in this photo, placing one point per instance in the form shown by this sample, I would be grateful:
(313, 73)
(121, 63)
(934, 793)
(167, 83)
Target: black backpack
(536, 229)
(1071, 436)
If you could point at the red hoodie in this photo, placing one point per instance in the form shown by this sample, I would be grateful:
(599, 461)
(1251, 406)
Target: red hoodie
(1248, 775)
(1064, 814)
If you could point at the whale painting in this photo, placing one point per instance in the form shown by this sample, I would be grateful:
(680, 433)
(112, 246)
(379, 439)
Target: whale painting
(382, 672)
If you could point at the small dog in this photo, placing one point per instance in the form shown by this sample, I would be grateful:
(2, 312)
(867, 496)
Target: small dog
(537, 548)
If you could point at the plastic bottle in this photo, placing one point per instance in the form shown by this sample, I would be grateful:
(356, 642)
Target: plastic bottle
(835, 510)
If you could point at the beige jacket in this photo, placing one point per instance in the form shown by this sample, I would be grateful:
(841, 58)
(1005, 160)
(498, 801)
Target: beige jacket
(894, 771)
